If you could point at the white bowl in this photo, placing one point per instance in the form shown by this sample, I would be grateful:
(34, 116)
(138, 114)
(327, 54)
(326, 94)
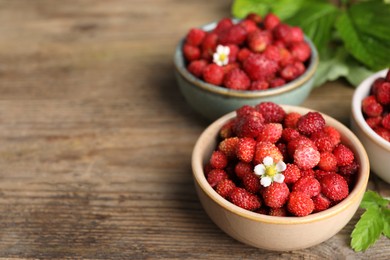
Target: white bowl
(378, 149)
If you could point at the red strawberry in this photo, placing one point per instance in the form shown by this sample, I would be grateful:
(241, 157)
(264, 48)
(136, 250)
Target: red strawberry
(310, 123)
(343, 155)
(195, 36)
(246, 149)
(386, 121)
(243, 54)
(291, 119)
(307, 172)
(237, 79)
(296, 34)
(308, 185)
(286, 57)
(244, 199)
(289, 134)
(259, 40)
(196, 67)
(334, 187)
(278, 212)
(289, 72)
(275, 195)
(299, 141)
(191, 52)
(272, 113)
(229, 146)
(218, 160)
(276, 82)
(254, 17)
(321, 173)
(227, 129)
(229, 67)
(371, 107)
(213, 74)
(320, 203)
(249, 125)
(349, 169)
(374, 122)
(328, 162)
(225, 187)
(233, 52)
(215, 176)
(264, 149)
(249, 25)
(300, 51)
(259, 85)
(383, 93)
(300, 204)
(300, 67)
(282, 32)
(271, 132)
(333, 134)
(292, 173)
(209, 45)
(271, 21)
(242, 168)
(283, 149)
(258, 67)
(323, 143)
(223, 25)
(383, 132)
(272, 52)
(251, 183)
(306, 157)
(233, 35)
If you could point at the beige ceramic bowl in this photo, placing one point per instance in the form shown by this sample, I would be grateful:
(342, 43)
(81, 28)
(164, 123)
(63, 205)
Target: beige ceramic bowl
(213, 101)
(269, 232)
(378, 149)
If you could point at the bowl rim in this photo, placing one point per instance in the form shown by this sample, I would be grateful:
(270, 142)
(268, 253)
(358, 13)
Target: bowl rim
(360, 93)
(178, 61)
(355, 194)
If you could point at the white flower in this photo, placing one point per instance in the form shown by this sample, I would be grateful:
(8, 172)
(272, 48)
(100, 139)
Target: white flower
(269, 171)
(221, 56)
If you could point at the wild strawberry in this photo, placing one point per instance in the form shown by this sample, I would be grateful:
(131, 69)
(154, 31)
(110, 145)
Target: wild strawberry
(258, 67)
(371, 107)
(196, 67)
(271, 21)
(226, 130)
(233, 35)
(334, 187)
(272, 112)
(289, 72)
(300, 51)
(383, 132)
(272, 52)
(209, 45)
(276, 82)
(320, 203)
(376, 84)
(386, 121)
(349, 169)
(195, 36)
(229, 67)
(249, 25)
(225, 187)
(291, 120)
(191, 52)
(259, 85)
(254, 17)
(251, 183)
(286, 57)
(308, 185)
(278, 212)
(249, 125)
(321, 173)
(333, 134)
(306, 156)
(246, 110)
(244, 199)
(300, 204)
(207, 169)
(275, 195)
(374, 122)
(323, 143)
(215, 176)
(292, 173)
(259, 40)
(299, 141)
(310, 123)
(296, 34)
(264, 149)
(233, 52)
(282, 32)
(383, 93)
(223, 25)
(218, 160)
(283, 150)
(243, 54)
(343, 155)
(213, 74)
(328, 162)
(242, 168)
(271, 132)
(237, 79)
(307, 172)
(300, 67)
(228, 146)
(246, 149)
(289, 134)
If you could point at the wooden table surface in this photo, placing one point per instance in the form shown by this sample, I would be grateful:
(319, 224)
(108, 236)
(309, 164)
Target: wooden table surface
(96, 139)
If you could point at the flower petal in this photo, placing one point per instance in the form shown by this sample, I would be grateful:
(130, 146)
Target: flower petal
(220, 49)
(266, 181)
(268, 161)
(281, 166)
(279, 178)
(226, 50)
(259, 169)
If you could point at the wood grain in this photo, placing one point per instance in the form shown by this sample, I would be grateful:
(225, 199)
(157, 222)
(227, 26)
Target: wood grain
(96, 140)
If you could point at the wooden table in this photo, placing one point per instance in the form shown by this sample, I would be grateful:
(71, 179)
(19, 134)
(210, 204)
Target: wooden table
(96, 139)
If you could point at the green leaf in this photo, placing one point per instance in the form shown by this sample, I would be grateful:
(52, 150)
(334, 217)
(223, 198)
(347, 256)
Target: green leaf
(367, 230)
(317, 20)
(365, 31)
(386, 228)
(357, 72)
(371, 199)
(331, 67)
(241, 8)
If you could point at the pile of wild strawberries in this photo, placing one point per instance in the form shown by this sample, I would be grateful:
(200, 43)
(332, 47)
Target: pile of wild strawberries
(376, 107)
(253, 54)
(281, 164)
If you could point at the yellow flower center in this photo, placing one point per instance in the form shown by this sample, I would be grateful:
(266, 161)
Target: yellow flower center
(270, 170)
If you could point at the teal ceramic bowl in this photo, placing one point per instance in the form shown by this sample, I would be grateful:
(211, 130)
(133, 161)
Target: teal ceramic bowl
(213, 101)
